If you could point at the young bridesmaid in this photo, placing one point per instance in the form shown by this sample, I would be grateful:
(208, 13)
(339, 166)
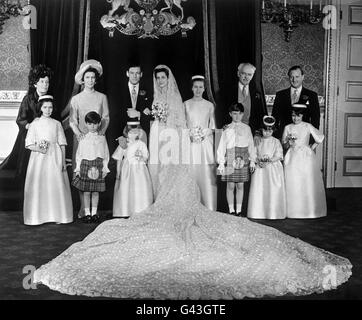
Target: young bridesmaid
(47, 196)
(267, 189)
(92, 159)
(303, 178)
(133, 188)
(237, 150)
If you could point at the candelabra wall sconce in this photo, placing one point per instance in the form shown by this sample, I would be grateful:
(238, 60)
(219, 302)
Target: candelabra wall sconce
(290, 15)
(12, 8)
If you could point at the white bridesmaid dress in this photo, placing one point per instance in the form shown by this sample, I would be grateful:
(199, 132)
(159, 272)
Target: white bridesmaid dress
(306, 196)
(267, 199)
(202, 160)
(47, 196)
(133, 191)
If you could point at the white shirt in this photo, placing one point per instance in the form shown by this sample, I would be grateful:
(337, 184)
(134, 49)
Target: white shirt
(91, 147)
(130, 87)
(241, 86)
(298, 90)
(236, 135)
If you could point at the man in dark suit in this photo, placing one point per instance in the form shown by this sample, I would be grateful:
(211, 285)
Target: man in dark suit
(136, 101)
(246, 93)
(296, 93)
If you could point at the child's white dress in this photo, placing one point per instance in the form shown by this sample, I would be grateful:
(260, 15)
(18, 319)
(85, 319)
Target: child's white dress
(47, 196)
(267, 198)
(306, 196)
(133, 191)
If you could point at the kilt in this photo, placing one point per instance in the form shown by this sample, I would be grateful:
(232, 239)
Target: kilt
(237, 165)
(90, 178)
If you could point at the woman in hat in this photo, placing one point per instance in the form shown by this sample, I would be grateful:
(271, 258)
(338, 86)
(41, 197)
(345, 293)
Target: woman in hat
(133, 188)
(267, 188)
(39, 79)
(86, 101)
(47, 196)
(200, 119)
(305, 192)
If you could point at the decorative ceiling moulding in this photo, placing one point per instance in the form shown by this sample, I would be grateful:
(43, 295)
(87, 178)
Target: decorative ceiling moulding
(147, 18)
(290, 13)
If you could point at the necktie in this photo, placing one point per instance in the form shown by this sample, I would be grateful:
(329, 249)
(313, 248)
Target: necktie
(244, 93)
(295, 96)
(134, 97)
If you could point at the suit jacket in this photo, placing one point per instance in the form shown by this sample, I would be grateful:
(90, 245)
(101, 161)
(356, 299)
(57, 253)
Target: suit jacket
(282, 109)
(258, 107)
(144, 100)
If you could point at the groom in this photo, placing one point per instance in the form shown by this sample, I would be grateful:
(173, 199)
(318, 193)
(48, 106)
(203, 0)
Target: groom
(136, 101)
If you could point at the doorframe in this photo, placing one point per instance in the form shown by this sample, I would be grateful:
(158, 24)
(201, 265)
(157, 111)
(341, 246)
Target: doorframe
(331, 79)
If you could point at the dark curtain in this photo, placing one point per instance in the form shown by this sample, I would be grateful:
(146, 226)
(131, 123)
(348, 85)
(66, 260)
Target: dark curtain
(55, 43)
(238, 39)
(185, 57)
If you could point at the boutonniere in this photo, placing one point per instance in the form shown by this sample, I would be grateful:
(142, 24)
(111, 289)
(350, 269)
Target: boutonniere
(305, 97)
(142, 93)
(257, 95)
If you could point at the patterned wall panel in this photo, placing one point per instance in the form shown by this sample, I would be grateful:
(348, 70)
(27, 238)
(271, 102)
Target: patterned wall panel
(14, 55)
(305, 48)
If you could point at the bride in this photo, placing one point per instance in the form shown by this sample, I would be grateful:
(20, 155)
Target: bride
(178, 249)
(166, 131)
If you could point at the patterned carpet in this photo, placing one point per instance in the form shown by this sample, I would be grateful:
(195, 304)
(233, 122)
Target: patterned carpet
(20, 246)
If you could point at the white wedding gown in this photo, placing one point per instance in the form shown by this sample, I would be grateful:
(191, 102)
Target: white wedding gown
(178, 249)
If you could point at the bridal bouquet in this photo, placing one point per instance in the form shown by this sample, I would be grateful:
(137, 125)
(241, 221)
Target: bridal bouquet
(160, 111)
(197, 134)
(43, 145)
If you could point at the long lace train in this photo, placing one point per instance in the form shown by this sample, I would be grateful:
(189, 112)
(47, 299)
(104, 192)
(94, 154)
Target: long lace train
(178, 249)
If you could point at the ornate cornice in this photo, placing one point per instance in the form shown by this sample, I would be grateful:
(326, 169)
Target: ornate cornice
(12, 95)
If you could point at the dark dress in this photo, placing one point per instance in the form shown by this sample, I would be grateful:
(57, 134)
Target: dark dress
(19, 156)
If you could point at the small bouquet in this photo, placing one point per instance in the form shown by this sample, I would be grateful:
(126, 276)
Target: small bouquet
(263, 161)
(291, 137)
(160, 111)
(197, 134)
(138, 155)
(44, 145)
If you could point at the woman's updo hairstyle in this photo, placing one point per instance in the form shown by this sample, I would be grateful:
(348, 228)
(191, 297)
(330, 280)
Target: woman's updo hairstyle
(158, 70)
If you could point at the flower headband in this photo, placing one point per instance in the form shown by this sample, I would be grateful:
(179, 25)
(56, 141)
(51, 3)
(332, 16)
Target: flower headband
(47, 96)
(198, 77)
(269, 121)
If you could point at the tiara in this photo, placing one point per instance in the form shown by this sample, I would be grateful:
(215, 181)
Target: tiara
(269, 120)
(198, 77)
(47, 96)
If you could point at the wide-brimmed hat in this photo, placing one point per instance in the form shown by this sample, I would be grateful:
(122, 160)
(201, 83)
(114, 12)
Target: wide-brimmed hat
(85, 66)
